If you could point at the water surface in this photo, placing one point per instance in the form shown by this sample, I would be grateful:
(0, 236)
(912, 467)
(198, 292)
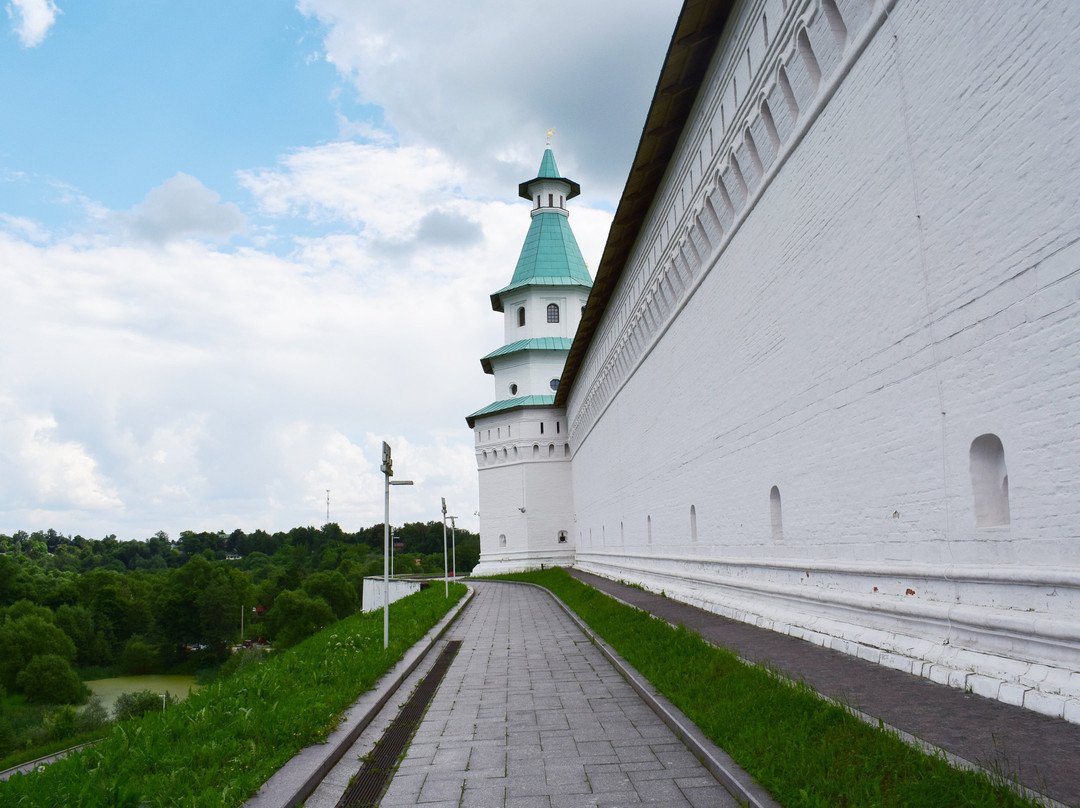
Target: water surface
(109, 690)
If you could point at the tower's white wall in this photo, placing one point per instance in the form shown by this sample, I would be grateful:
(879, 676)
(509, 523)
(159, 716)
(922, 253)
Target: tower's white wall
(837, 301)
(535, 300)
(531, 371)
(526, 500)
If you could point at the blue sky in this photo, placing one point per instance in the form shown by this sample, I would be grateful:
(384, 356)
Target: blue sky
(244, 242)
(122, 95)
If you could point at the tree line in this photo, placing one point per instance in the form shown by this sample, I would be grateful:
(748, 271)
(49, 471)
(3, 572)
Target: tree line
(73, 609)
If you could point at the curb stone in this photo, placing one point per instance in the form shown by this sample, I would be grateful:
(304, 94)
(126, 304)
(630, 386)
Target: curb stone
(294, 782)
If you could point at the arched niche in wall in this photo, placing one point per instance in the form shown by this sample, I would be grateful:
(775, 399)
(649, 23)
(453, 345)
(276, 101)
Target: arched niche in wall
(989, 481)
(776, 517)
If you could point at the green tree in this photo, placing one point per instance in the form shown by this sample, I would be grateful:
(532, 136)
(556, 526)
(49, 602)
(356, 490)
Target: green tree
(296, 615)
(201, 602)
(91, 646)
(23, 639)
(335, 589)
(50, 679)
(138, 656)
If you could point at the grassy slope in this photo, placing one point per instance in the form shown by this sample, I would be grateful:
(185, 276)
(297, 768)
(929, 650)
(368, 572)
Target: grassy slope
(807, 752)
(221, 744)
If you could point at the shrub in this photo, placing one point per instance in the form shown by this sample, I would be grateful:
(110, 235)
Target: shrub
(63, 723)
(50, 679)
(138, 703)
(93, 716)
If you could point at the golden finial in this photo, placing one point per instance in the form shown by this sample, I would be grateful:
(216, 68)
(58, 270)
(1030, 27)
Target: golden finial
(551, 132)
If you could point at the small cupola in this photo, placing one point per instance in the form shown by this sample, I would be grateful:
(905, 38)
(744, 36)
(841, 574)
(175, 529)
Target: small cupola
(548, 191)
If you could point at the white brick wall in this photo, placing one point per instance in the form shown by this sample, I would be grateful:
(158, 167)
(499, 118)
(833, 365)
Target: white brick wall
(901, 276)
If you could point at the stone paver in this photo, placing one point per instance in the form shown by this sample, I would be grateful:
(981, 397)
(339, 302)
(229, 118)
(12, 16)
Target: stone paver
(531, 714)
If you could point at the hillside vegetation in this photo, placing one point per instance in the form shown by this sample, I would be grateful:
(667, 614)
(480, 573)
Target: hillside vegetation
(219, 746)
(74, 609)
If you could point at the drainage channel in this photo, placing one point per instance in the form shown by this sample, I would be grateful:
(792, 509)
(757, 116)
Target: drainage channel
(370, 783)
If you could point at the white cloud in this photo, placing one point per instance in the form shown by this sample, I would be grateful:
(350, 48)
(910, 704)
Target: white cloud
(180, 206)
(32, 19)
(384, 189)
(48, 469)
(483, 81)
(22, 226)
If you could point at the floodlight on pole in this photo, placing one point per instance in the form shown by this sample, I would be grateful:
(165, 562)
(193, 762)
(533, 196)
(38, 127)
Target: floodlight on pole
(446, 572)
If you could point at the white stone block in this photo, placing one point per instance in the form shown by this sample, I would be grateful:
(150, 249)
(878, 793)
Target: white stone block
(1044, 703)
(940, 674)
(983, 686)
(1012, 693)
(1071, 711)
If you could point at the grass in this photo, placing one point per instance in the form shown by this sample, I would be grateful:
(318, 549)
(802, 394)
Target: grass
(808, 752)
(18, 757)
(222, 743)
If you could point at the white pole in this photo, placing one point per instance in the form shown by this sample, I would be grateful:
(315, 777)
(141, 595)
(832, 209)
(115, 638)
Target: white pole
(446, 572)
(453, 542)
(386, 470)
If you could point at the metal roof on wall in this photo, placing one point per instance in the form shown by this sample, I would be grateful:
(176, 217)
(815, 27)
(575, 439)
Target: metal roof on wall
(697, 33)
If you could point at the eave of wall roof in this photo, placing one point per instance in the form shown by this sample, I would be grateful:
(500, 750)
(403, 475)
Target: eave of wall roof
(692, 45)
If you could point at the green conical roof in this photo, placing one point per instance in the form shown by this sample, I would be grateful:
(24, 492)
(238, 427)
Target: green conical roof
(548, 171)
(550, 256)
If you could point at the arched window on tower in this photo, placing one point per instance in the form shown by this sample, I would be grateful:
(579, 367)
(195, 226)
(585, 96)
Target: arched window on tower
(521, 316)
(989, 481)
(553, 312)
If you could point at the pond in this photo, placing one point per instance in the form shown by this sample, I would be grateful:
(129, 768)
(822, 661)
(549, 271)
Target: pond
(109, 690)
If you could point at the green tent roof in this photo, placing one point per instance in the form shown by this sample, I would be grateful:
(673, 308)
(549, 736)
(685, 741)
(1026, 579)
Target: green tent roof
(510, 404)
(534, 344)
(548, 171)
(550, 256)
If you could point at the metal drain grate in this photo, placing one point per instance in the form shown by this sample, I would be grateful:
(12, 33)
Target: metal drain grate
(371, 781)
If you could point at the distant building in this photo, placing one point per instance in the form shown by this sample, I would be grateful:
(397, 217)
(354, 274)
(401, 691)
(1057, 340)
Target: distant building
(827, 378)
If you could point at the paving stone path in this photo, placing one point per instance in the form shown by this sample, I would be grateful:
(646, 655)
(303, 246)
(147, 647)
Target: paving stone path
(532, 715)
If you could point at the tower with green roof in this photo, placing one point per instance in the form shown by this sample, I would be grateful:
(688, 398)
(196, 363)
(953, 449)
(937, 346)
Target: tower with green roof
(522, 451)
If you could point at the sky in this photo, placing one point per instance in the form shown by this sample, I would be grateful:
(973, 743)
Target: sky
(243, 242)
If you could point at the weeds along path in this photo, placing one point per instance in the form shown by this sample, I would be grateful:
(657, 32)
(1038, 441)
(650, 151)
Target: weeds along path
(219, 746)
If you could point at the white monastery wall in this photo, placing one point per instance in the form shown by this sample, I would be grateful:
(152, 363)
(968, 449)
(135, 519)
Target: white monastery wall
(846, 280)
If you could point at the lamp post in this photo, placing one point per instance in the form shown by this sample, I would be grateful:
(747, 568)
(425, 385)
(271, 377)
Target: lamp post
(453, 543)
(446, 573)
(393, 544)
(387, 468)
